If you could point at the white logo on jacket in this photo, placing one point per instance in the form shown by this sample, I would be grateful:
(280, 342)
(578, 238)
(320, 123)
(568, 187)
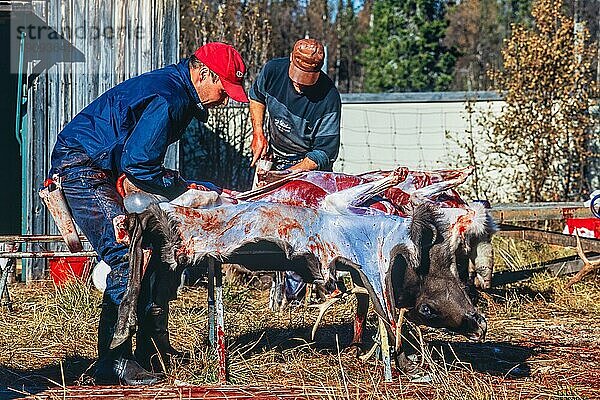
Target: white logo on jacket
(282, 125)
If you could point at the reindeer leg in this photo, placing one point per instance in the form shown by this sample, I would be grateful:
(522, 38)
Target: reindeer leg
(360, 321)
(127, 318)
(127, 308)
(277, 292)
(308, 295)
(378, 343)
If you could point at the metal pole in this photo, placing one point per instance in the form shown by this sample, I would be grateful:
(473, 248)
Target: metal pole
(46, 254)
(21, 135)
(385, 351)
(220, 325)
(211, 302)
(20, 93)
(34, 238)
(216, 329)
(506, 213)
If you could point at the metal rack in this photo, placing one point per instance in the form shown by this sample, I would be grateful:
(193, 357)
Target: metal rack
(11, 257)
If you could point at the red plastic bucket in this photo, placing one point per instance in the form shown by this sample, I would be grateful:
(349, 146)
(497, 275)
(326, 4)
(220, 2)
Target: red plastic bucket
(63, 269)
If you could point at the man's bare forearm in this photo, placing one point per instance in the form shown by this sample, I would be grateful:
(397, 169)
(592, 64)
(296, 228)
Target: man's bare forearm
(257, 116)
(259, 143)
(305, 164)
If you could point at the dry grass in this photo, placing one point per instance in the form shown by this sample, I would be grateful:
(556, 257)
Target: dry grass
(543, 343)
(514, 254)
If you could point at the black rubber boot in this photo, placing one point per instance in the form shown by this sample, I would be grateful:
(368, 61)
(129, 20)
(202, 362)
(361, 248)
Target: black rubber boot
(153, 347)
(117, 366)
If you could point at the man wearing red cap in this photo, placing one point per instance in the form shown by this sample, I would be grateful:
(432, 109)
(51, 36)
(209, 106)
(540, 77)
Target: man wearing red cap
(303, 130)
(304, 110)
(127, 131)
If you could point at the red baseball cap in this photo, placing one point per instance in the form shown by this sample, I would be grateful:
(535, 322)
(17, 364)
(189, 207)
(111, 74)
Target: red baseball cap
(226, 62)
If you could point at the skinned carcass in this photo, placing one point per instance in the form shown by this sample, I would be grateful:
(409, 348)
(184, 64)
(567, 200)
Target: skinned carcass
(467, 236)
(471, 224)
(404, 257)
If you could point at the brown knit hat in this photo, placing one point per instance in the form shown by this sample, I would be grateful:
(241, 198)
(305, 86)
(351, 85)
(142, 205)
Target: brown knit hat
(306, 62)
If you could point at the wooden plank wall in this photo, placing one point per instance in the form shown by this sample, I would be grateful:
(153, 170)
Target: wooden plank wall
(145, 37)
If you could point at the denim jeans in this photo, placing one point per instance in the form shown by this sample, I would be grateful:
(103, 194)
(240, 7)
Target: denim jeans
(92, 196)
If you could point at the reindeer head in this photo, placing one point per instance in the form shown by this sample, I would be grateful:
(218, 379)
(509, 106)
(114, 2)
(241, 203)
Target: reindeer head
(428, 286)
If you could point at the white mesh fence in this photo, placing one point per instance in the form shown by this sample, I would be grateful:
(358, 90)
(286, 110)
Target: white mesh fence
(422, 135)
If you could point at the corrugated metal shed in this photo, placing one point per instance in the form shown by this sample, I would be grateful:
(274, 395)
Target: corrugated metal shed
(104, 43)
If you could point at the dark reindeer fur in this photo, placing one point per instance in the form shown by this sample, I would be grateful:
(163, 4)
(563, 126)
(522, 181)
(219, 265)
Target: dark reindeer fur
(424, 278)
(152, 228)
(427, 229)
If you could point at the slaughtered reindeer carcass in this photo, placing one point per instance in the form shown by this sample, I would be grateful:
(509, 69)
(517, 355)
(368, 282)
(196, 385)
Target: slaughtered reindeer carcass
(463, 249)
(471, 225)
(405, 236)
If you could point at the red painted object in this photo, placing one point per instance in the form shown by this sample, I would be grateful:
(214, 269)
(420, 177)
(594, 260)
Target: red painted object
(63, 269)
(586, 227)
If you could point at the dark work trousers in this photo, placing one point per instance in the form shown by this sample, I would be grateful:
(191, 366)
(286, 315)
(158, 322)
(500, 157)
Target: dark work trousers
(94, 201)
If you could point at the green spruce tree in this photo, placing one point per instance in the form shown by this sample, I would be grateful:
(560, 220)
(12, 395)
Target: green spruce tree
(404, 49)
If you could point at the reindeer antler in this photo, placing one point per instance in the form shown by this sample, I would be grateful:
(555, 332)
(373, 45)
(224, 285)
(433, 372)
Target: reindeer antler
(335, 296)
(588, 266)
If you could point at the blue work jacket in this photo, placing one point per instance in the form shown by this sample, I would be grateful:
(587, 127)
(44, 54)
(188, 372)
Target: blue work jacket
(129, 127)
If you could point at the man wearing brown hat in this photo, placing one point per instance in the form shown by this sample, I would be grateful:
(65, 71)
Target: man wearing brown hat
(303, 129)
(304, 109)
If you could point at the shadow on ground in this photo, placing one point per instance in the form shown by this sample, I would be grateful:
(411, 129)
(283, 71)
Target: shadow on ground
(15, 383)
(282, 339)
(495, 358)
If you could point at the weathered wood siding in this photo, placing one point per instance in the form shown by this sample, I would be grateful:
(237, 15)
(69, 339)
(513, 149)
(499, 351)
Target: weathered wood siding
(146, 37)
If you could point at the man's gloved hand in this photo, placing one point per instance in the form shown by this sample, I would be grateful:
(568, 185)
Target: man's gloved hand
(125, 186)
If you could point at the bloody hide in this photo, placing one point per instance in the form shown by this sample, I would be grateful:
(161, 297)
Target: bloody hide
(407, 235)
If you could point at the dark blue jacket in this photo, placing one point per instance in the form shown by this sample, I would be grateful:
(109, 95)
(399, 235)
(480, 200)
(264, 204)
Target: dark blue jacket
(129, 127)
